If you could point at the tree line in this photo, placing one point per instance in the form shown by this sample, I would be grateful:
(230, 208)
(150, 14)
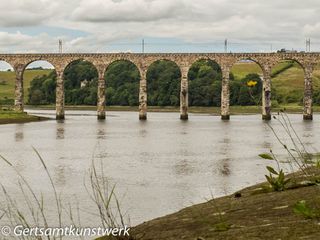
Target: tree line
(163, 85)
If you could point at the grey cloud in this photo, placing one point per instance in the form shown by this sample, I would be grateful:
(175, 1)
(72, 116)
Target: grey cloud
(204, 20)
(17, 13)
(18, 42)
(127, 10)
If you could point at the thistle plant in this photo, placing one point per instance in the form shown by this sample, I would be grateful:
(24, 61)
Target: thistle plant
(276, 179)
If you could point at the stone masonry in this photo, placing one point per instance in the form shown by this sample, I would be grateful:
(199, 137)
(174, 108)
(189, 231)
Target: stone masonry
(184, 61)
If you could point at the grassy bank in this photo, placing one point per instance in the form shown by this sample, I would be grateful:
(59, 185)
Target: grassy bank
(7, 117)
(252, 213)
(292, 108)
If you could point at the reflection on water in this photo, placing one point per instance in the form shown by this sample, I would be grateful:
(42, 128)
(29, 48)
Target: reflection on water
(225, 168)
(60, 175)
(143, 132)
(60, 132)
(101, 134)
(159, 166)
(19, 133)
(266, 145)
(183, 168)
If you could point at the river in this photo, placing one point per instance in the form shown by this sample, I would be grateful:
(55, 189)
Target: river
(159, 166)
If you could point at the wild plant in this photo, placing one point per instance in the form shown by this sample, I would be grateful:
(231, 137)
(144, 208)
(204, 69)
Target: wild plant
(33, 210)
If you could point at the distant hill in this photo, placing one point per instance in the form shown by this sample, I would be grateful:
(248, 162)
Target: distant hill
(7, 90)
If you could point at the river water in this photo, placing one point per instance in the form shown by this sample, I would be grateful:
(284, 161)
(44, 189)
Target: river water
(159, 166)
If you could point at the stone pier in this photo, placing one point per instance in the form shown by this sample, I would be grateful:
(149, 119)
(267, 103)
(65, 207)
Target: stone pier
(184, 94)
(266, 94)
(101, 97)
(307, 100)
(225, 94)
(143, 95)
(60, 96)
(18, 91)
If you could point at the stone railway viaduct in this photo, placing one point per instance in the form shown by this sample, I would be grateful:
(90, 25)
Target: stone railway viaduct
(183, 60)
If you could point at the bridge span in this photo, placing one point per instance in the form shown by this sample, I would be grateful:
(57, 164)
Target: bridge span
(101, 61)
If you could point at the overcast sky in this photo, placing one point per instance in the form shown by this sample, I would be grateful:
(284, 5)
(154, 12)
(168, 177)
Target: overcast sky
(166, 25)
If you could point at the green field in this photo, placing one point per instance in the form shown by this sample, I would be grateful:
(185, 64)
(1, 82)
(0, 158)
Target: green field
(7, 82)
(287, 83)
(241, 69)
(290, 79)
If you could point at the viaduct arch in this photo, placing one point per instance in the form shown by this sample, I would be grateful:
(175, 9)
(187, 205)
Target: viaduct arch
(183, 60)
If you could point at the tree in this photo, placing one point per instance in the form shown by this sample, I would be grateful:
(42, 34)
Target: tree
(42, 89)
(122, 80)
(77, 72)
(250, 90)
(205, 84)
(163, 84)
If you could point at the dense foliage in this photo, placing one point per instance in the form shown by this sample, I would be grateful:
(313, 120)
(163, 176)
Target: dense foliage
(77, 72)
(122, 79)
(205, 80)
(204, 84)
(163, 83)
(242, 94)
(316, 97)
(43, 90)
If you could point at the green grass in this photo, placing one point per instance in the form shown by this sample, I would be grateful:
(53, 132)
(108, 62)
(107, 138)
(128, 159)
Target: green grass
(241, 69)
(7, 90)
(290, 82)
(9, 116)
